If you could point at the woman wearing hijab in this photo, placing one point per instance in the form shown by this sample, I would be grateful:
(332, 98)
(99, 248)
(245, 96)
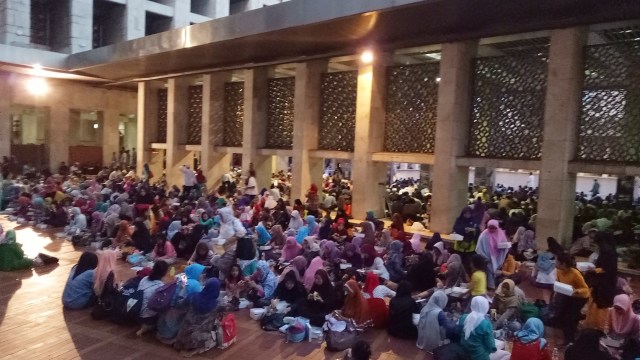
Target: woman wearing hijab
(290, 290)
(603, 282)
(416, 241)
(395, 262)
(587, 346)
(545, 270)
(369, 232)
(330, 254)
(355, 305)
(507, 302)
(300, 264)
(104, 279)
(11, 254)
(295, 223)
(422, 275)
(310, 248)
(97, 223)
(477, 332)
(321, 301)
(78, 291)
(170, 321)
(440, 254)
(195, 335)
(373, 262)
(455, 273)
(262, 284)
(325, 230)
(290, 250)
(489, 247)
(385, 239)
(529, 343)
(123, 236)
(79, 221)
(309, 275)
(352, 256)
(141, 237)
(278, 238)
(401, 310)
(469, 230)
(397, 228)
(434, 327)
(622, 322)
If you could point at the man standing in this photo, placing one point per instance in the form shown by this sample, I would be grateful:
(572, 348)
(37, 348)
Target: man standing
(189, 180)
(531, 181)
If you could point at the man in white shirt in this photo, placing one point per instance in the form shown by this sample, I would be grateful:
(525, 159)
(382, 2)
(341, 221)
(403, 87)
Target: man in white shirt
(189, 180)
(531, 181)
(251, 188)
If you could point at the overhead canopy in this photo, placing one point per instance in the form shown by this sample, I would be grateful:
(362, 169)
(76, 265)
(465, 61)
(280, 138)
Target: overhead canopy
(305, 29)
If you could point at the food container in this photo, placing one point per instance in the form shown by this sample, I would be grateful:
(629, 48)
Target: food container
(504, 245)
(456, 237)
(244, 303)
(256, 313)
(585, 266)
(345, 266)
(562, 288)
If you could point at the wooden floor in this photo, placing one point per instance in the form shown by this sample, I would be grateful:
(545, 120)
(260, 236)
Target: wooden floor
(33, 324)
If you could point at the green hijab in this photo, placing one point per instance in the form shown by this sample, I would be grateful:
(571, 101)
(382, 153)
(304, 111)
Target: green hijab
(10, 237)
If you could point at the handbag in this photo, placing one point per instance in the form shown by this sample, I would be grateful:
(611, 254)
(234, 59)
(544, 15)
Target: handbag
(226, 332)
(340, 340)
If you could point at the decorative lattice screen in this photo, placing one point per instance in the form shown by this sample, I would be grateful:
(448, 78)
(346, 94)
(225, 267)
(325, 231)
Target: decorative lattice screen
(162, 116)
(233, 113)
(280, 114)
(412, 104)
(338, 111)
(508, 105)
(609, 128)
(194, 123)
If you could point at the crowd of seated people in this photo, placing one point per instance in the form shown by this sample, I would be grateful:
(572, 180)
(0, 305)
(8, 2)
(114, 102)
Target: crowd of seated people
(307, 254)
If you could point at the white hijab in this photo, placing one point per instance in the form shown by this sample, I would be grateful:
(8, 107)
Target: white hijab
(479, 308)
(430, 333)
(296, 221)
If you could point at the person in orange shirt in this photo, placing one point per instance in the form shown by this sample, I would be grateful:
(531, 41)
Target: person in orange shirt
(568, 307)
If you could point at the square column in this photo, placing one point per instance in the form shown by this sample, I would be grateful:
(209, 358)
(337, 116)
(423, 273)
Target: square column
(81, 26)
(147, 127)
(135, 19)
(110, 135)
(5, 117)
(15, 23)
(254, 126)
(369, 177)
(562, 111)
(58, 136)
(214, 164)
(177, 155)
(452, 132)
(306, 170)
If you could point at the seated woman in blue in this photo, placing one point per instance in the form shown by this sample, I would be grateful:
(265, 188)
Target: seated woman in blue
(477, 332)
(78, 292)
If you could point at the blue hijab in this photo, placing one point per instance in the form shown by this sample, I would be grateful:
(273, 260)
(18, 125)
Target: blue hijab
(263, 235)
(533, 330)
(546, 263)
(193, 272)
(306, 230)
(311, 224)
(206, 300)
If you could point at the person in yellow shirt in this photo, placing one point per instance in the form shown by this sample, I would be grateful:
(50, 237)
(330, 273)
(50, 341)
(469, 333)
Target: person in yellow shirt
(568, 307)
(478, 284)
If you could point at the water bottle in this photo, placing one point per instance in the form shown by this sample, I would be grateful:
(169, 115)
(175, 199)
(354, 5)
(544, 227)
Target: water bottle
(555, 355)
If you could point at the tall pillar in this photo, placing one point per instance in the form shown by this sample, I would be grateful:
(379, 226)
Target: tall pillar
(452, 131)
(306, 170)
(562, 110)
(110, 137)
(254, 127)
(81, 26)
(177, 102)
(181, 13)
(147, 127)
(369, 177)
(15, 23)
(58, 137)
(5, 117)
(214, 164)
(135, 19)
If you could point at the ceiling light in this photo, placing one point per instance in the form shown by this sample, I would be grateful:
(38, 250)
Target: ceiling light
(367, 57)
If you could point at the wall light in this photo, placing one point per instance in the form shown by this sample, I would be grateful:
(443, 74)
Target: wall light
(367, 57)
(95, 126)
(37, 86)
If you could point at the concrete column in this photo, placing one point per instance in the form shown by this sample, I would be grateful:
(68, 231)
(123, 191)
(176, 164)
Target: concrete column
(15, 22)
(306, 170)
(5, 117)
(135, 15)
(181, 13)
(213, 164)
(58, 137)
(452, 131)
(177, 102)
(369, 177)
(562, 111)
(254, 127)
(81, 26)
(147, 127)
(110, 135)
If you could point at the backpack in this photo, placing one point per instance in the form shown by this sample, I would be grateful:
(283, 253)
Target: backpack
(227, 331)
(161, 300)
(246, 248)
(81, 240)
(128, 304)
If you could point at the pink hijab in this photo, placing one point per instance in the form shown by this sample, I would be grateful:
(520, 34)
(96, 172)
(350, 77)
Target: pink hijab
(106, 264)
(495, 237)
(415, 243)
(291, 249)
(310, 275)
(627, 322)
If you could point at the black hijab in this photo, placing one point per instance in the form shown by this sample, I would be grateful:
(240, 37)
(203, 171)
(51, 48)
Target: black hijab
(587, 346)
(421, 275)
(141, 237)
(326, 290)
